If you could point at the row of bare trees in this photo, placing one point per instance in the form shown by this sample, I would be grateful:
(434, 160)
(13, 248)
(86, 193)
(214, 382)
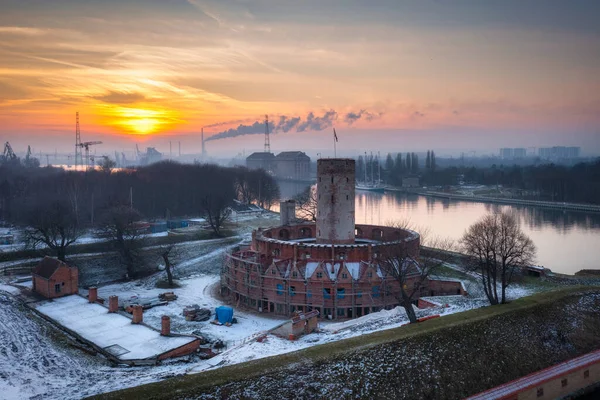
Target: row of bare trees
(55, 207)
(495, 248)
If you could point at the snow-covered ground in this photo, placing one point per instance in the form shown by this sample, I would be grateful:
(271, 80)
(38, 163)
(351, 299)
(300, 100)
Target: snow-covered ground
(195, 290)
(22, 365)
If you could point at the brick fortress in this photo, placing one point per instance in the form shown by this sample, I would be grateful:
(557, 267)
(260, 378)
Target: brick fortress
(331, 266)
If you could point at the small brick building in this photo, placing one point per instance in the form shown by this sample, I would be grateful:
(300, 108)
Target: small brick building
(54, 278)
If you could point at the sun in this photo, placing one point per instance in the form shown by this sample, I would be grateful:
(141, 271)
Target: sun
(140, 121)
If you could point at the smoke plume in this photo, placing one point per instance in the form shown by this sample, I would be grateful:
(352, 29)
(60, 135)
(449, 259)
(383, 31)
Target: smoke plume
(286, 124)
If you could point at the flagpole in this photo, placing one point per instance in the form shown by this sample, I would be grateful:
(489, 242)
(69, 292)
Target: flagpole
(334, 145)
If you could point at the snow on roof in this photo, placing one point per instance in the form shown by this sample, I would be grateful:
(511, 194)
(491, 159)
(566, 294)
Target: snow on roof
(354, 269)
(310, 269)
(332, 271)
(536, 267)
(94, 323)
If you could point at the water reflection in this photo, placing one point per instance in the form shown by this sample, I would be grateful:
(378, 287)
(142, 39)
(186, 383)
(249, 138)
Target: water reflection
(566, 241)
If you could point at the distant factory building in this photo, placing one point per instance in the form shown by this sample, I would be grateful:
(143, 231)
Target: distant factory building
(261, 160)
(506, 153)
(558, 152)
(292, 165)
(513, 153)
(286, 165)
(519, 152)
(150, 157)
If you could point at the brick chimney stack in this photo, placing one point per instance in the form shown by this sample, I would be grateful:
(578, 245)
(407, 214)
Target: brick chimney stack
(93, 294)
(165, 326)
(113, 304)
(138, 314)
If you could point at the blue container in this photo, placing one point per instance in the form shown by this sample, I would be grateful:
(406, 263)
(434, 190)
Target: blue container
(158, 227)
(224, 314)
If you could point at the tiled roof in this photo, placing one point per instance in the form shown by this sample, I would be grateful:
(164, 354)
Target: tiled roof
(48, 266)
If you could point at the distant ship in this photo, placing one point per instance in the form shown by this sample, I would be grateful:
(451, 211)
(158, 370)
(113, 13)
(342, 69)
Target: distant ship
(368, 187)
(372, 185)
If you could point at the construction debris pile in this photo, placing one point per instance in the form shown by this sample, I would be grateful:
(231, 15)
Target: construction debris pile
(146, 303)
(196, 313)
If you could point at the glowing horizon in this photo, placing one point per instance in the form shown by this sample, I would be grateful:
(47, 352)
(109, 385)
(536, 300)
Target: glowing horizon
(169, 68)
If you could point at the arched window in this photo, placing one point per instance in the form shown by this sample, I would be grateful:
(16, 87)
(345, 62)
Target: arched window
(284, 234)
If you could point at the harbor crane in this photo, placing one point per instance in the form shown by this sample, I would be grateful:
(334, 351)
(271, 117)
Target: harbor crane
(9, 154)
(86, 147)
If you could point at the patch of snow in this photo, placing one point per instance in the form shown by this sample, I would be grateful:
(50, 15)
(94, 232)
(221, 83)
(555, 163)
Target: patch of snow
(9, 289)
(354, 269)
(94, 323)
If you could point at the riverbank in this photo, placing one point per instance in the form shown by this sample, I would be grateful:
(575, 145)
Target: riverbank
(508, 201)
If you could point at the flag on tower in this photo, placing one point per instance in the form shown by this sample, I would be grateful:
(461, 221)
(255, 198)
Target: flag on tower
(335, 135)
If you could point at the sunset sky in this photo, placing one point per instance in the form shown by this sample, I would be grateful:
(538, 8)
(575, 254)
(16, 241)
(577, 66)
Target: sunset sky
(389, 75)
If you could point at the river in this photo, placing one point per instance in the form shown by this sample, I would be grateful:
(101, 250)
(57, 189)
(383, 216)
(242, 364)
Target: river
(566, 241)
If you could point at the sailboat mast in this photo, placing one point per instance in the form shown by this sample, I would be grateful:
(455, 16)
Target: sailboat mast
(365, 165)
(378, 168)
(372, 181)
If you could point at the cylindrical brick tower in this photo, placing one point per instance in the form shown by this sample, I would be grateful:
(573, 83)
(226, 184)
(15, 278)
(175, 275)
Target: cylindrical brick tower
(335, 200)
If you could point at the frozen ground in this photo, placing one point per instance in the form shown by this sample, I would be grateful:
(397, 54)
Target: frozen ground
(195, 290)
(36, 360)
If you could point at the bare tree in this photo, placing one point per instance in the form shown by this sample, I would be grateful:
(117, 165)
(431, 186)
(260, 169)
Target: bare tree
(120, 224)
(215, 202)
(52, 222)
(306, 204)
(167, 253)
(412, 274)
(107, 164)
(497, 247)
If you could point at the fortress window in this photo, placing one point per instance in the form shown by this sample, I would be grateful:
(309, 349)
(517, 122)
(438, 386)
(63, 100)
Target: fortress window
(332, 200)
(540, 392)
(344, 276)
(347, 197)
(295, 274)
(369, 275)
(347, 179)
(342, 256)
(586, 374)
(292, 290)
(564, 382)
(319, 274)
(375, 291)
(332, 179)
(307, 255)
(279, 289)
(327, 293)
(359, 293)
(273, 272)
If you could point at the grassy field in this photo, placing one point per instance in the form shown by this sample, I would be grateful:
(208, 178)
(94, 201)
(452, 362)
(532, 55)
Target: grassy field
(302, 364)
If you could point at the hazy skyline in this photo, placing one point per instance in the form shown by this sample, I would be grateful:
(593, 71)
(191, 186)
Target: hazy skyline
(389, 75)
